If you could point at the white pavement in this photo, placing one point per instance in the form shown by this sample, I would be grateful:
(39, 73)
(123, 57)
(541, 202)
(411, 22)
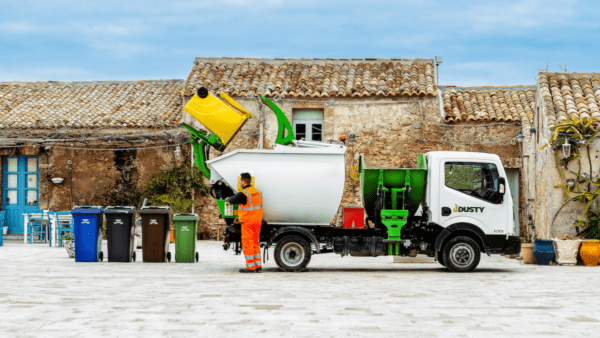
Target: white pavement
(44, 293)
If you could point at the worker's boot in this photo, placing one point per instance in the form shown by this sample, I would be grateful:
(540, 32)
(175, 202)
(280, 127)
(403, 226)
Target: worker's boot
(247, 271)
(258, 270)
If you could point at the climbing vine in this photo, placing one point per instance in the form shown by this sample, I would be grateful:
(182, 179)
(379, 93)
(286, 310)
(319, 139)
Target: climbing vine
(123, 193)
(577, 132)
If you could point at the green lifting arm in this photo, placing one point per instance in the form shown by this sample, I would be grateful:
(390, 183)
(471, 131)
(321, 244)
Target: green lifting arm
(283, 124)
(200, 143)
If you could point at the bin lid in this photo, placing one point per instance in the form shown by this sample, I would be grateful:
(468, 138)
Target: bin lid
(119, 210)
(185, 217)
(155, 210)
(87, 209)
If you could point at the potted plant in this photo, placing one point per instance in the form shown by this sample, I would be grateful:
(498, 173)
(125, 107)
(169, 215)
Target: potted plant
(567, 249)
(527, 251)
(590, 252)
(69, 244)
(543, 251)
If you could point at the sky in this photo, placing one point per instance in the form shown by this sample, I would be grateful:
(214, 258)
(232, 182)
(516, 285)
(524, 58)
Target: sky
(482, 42)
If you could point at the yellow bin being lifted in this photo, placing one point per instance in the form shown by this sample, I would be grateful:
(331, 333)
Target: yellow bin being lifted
(221, 119)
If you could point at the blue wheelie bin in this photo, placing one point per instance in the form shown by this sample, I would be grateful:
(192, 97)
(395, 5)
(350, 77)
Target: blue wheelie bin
(87, 224)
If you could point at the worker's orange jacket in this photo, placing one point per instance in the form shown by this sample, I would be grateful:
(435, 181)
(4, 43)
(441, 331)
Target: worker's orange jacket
(252, 211)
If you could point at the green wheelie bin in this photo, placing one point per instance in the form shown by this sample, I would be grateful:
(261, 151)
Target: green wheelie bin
(186, 227)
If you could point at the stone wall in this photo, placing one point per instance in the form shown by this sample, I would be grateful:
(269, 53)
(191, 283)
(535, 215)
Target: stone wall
(93, 172)
(543, 199)
(391, 132)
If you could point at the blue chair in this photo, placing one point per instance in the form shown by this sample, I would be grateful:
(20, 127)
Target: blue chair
(64, 222)
(1, 228)
(37, 226)
(49, 220)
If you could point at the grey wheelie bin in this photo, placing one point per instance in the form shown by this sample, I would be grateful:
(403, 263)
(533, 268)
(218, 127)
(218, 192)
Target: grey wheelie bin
(120, 233)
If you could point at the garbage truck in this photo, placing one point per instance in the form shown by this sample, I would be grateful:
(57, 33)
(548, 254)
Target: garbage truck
(454, 206)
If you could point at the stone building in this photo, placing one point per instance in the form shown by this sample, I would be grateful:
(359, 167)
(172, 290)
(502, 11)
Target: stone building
(90, 134)
(559, 96)
(124, 130)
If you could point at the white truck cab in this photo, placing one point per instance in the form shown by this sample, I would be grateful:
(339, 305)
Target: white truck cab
(467, 192)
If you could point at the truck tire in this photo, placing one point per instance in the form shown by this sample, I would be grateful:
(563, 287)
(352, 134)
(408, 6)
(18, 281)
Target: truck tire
(440, 258)
(461, 254)
(292, 253)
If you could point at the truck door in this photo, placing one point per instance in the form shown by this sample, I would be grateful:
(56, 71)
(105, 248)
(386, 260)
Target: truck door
(469, 193)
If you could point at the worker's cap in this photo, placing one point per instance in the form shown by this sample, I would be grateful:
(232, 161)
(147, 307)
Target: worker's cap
(246, 176)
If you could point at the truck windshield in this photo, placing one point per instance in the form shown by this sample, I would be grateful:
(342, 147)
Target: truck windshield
(479, 180)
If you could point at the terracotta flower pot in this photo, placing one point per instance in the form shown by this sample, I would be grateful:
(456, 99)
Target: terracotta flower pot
(543, 251)
(566, 251)
(590, 252)
(527, 252)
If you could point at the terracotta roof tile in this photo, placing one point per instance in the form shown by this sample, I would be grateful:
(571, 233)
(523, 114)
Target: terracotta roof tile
(566, 95)
(312, 77)
(509, 104)
(44, 105)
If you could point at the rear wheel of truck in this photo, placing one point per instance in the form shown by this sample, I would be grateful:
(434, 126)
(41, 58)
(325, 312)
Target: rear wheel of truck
(461, 254)
(292, 253)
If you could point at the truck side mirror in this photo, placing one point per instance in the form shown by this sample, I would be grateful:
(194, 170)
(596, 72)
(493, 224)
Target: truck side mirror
(501, 185)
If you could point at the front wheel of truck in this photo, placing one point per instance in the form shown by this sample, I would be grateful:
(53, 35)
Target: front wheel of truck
(461, 254)
(292, 253)
(440, 257)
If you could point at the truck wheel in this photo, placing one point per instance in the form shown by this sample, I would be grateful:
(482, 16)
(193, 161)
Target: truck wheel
(440, 258)
(461, 254)
(292, 254)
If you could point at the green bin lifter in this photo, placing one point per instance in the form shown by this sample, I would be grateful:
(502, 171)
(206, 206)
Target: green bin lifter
(391, 196)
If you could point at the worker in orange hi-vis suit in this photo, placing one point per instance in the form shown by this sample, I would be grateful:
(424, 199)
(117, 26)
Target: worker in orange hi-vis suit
(250, 214)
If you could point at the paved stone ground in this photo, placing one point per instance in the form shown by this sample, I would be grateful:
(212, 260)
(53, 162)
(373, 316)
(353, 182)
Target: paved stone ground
(44, 293)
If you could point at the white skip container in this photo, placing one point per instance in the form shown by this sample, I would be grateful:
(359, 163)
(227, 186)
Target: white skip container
(301, 185)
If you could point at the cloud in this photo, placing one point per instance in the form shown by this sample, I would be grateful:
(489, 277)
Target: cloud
(32, 74)
(26, 27)
(483, 42)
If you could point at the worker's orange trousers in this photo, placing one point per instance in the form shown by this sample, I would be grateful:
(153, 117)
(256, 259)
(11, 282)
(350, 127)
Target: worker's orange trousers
(250, 244)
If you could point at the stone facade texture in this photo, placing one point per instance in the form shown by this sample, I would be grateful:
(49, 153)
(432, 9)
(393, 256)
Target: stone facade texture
(559, 96)
(391, 105)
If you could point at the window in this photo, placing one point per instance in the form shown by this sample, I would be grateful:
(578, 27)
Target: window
(479, 180)
(308, 124)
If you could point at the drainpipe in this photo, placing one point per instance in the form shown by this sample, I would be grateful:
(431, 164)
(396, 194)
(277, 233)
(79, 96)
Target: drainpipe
(70, 163)
(192, 173)
(440, 102)
(262, 126)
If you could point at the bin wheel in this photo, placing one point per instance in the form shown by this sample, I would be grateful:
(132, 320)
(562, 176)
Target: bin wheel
(133, 256)
(202, 92)
(101, 256)
(197, 257)
(168, 256)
